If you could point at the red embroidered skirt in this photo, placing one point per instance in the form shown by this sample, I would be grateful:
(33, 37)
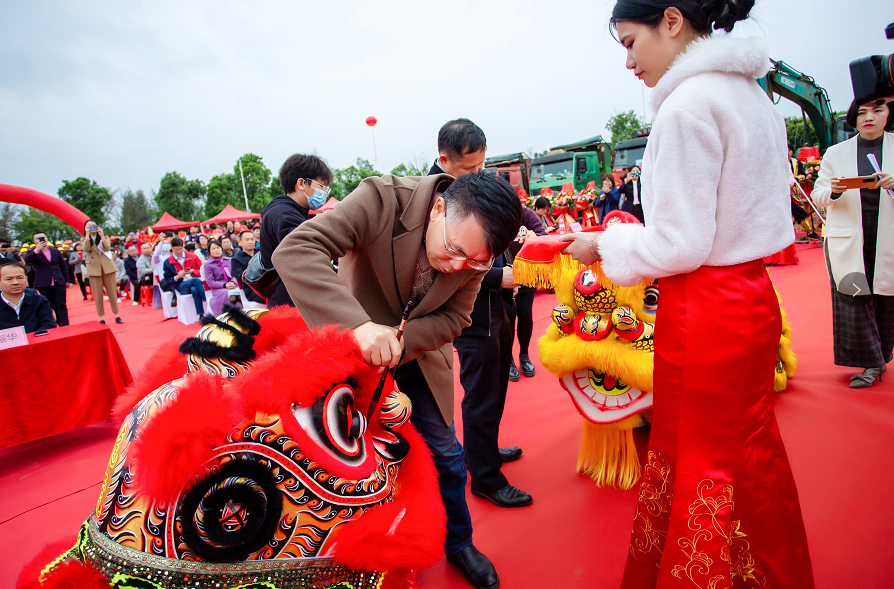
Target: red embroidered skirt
(718, 505)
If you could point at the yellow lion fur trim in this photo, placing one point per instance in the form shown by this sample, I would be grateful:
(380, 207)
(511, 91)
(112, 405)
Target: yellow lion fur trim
(564, 355)
(787, 362)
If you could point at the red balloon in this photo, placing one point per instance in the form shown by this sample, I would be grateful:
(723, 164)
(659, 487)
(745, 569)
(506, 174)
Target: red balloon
(371, 121)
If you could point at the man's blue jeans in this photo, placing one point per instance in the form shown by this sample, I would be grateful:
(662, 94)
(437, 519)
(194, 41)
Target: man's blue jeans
(194, 287)
(447, 452)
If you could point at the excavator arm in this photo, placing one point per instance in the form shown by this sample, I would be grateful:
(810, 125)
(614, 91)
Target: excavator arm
(786, 81)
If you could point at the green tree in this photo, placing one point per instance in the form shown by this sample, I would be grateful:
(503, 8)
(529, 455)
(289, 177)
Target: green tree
(417, 166)
(624, 125)
(223, 189)
(795, 132)
(136, 212)
(9, 214)
(87, 196)
(257, 181)
(226, 189)
(180, 197)
(345, 180)
(30, 221)
(274, 189)
(797, 135)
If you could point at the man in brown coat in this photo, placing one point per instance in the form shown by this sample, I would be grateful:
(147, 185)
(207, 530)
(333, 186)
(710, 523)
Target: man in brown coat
(429, 240)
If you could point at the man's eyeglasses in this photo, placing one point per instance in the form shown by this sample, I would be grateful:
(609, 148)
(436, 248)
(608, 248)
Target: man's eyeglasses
(325, 189)
(455, 255)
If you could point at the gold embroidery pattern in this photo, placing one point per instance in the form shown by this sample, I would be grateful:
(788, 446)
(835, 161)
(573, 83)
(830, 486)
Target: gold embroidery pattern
(655, 499)
(708, 516)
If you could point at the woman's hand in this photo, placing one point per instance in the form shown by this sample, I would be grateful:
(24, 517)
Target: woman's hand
(837, 187)
(583, 246)
(230, 285)
(885, 181)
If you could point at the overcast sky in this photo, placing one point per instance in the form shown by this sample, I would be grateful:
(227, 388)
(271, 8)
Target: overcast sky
(124, 92)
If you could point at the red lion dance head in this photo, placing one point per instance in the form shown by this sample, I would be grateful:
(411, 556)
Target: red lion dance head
(257, 469)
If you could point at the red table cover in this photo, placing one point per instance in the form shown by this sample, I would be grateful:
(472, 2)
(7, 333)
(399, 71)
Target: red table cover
(59, 382)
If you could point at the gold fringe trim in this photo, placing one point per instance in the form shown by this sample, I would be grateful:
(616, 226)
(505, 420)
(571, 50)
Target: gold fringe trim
(608, 455)
(542, 274)
(546, 274)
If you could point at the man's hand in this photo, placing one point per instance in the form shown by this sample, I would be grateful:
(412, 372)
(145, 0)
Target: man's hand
(579, 249)
(379, 344)
(507, 278)
(181, 274)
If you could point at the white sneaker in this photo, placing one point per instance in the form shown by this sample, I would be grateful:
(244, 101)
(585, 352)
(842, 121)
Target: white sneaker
(105, 298)
(119, 299)
(134, 304)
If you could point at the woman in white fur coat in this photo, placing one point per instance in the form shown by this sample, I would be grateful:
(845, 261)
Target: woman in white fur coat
(718, 504)
(859, 243)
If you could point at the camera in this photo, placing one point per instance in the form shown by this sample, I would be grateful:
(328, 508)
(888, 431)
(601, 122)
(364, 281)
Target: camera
(873, 77)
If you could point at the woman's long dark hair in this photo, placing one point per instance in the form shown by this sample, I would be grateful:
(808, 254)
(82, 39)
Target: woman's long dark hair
(703, 15)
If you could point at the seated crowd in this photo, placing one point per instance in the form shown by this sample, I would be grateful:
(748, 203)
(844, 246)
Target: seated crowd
(35, 277)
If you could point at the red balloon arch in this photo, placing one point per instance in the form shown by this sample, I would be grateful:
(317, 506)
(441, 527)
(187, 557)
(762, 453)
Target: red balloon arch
(46, 203)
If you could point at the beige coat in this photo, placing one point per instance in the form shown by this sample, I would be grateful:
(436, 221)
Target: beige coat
(844, 221)
(377, 233)
(97, 263)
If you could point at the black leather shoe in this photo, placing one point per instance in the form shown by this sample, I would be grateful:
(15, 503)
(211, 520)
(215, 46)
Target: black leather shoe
(103, 321)
(508, 496)
(476, 568)
(513, 372)
(119, 320)
(526, 365)
(510, 453)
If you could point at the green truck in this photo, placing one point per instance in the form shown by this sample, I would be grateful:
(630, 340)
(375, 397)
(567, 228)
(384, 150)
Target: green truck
(576, 163)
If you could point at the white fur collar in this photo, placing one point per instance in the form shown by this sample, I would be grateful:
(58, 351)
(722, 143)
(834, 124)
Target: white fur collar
(722, 53)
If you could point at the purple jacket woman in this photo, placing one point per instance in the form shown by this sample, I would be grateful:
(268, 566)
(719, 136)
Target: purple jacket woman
(218, 272)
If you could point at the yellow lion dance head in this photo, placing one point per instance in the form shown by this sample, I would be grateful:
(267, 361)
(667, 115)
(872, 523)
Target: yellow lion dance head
(600, 345)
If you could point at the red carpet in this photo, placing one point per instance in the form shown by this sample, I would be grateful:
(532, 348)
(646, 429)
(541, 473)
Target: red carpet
(575, 535)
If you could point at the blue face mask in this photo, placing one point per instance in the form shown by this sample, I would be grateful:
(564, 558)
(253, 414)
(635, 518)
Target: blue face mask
(317, 200)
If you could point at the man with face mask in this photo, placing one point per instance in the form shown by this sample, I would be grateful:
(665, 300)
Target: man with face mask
(305, 180)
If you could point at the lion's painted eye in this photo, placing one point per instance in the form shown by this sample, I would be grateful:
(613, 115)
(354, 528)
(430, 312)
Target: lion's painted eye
(341, 425)
(650, 300)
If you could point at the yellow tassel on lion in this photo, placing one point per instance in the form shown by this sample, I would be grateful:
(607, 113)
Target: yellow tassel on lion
(600, 345)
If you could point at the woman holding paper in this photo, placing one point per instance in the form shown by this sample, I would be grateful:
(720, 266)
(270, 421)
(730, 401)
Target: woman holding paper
(859, 242)
(100, 269)
(718, 505)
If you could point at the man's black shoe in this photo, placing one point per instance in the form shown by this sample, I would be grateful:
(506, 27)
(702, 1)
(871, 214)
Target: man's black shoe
(526, 365)
(813, 235)
(508, 496)
(513, 372)
(476, 568)
(119, 320)
(510, 453)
